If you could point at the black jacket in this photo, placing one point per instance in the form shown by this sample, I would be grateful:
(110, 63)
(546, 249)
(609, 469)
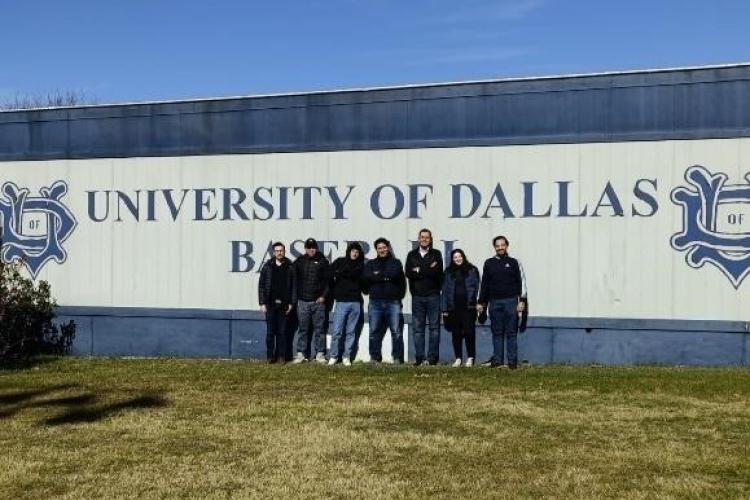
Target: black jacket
(429, 279)
(346, 276)
(502, 278)
(289, 293)
(471, 282)
(312, 276)
(384, 278)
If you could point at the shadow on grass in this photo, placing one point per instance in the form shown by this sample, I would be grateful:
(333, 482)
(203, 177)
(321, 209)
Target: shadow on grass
(78, 408)
(90, 413)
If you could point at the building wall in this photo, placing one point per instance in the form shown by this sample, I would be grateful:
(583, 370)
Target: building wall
(625, 197)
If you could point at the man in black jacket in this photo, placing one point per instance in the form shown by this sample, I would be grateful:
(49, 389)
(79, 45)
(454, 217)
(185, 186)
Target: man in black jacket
(385, 282)
(346, 274)
(503, 286)
(277, 294)
(424, 269)
(312, 271)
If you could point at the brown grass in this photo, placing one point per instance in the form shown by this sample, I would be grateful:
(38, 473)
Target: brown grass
(77, 428)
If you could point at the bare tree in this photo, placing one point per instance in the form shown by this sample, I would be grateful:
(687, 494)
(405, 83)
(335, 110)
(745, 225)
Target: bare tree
(53, 99)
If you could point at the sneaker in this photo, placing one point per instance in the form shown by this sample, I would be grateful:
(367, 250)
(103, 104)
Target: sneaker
(347, 362)
(299, 359)
(331, 361)
(457, 363)
(320, 358)
(489, 362)
(469, 362)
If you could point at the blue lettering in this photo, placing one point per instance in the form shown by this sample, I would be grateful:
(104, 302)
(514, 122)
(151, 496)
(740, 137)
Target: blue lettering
(476, 199)
(203, 206)
(233, 205)
(263, 203)
(338, 203)
(133, 207)
(502, 203)
(242, 260)
(645, 197)
(415, 200)
(563, 210)
(614, 202)
(307, 199)
(283, 203)
(174, 210)
(528, 201)
(398, 201)
(151, 205)
(92, 206)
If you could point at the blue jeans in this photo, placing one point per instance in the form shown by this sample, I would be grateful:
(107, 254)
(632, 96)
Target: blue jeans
(385, 314)
(345, 318)
(426, 308)
(504, 326)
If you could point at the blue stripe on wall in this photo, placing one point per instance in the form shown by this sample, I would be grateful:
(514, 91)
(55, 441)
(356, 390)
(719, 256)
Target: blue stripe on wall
(676, 104)
(241, 334)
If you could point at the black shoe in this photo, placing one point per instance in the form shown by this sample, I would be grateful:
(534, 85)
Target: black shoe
(513, 367)
(418, 362)
(489, 362)
(271, 361)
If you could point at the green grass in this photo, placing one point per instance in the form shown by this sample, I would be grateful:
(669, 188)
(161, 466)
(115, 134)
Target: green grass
(77, 428)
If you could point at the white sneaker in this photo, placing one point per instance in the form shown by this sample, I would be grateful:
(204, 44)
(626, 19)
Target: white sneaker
(320, 358)
(457, 363)
(299, 359)
(347, 362)
(469, 362)
(331, 361)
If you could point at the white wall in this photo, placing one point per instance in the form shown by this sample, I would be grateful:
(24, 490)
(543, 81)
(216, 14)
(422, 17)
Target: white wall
(605, 266)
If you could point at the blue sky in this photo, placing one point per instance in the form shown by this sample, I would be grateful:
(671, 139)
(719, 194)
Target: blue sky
(159, 50)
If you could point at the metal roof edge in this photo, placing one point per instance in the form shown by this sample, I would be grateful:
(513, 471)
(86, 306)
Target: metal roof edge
(388, 87)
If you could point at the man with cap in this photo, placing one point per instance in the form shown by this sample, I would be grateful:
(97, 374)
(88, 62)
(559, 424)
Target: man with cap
(312, 273)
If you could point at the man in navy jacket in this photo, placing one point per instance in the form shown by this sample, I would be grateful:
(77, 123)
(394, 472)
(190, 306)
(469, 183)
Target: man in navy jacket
(503, 285)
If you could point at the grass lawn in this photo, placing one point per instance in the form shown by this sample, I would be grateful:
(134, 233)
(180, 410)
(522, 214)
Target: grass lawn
(80, 428)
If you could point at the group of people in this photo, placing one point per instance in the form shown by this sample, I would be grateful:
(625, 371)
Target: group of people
(303, 292)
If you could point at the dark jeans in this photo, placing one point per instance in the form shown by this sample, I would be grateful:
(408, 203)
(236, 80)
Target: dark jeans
(384, 314)
(464, 328)
(504, 326)
(426, 310)
(312, 318)
(276, 329)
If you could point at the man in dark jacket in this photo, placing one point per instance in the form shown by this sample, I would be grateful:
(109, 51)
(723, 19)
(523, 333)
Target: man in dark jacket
(312, 270)
(346, 276)
(277, 294)
(385, 282)
(503, 286)
(424, 269)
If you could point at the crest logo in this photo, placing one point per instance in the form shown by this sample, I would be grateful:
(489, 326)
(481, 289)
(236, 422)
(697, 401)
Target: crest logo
(715, 223)
(35, 227)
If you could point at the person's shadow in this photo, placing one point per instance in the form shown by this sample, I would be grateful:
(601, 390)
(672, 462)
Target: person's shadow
(77, 408)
